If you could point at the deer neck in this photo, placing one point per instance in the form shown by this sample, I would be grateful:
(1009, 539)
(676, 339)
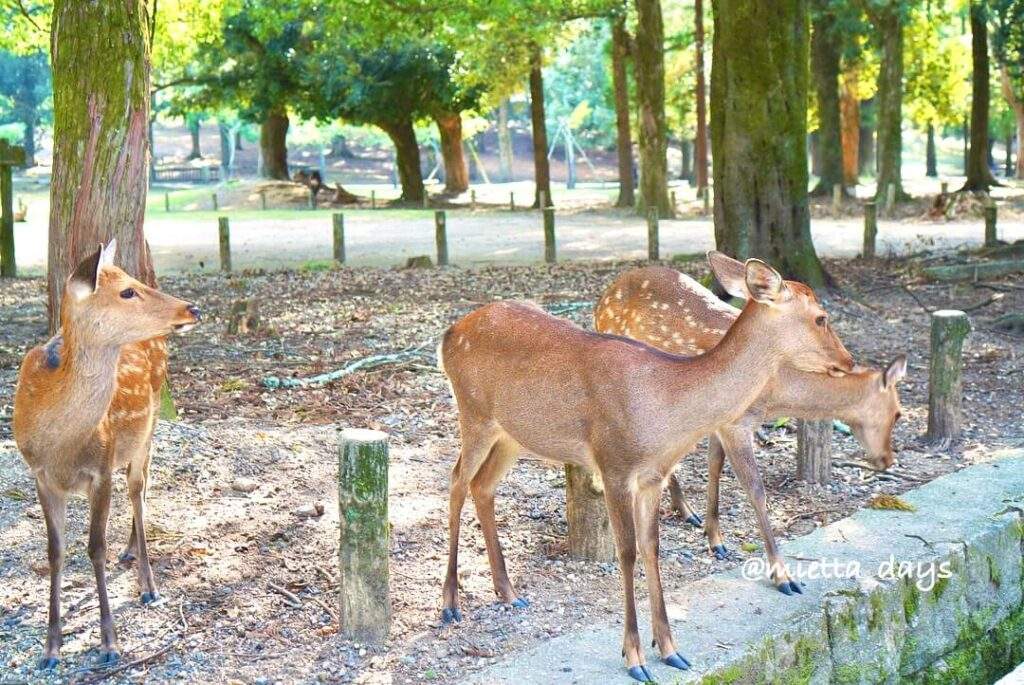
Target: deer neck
(816, 395)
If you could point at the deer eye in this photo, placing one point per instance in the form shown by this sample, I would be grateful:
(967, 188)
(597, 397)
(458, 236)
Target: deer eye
(821, 320)
(128, 293)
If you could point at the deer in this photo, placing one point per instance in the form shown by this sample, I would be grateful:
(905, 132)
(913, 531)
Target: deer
(671, 311)
(524, 380)
(86, 403)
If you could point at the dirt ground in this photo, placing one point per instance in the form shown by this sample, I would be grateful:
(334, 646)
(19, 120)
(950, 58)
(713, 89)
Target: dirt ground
(218, 551)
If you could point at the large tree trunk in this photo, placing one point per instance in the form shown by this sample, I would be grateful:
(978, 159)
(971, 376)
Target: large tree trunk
(759, 132)
(931, 165)
(101, 68)
(979, 174)
(888, 23)
(1017, 105)
(274, 145)
(541, 168)
(407, 156)
(505, 154)
(623, 138)
(700, 148)
(825, 71)
(849, 125)
(456, 172)
(194, 128)
(649, 71)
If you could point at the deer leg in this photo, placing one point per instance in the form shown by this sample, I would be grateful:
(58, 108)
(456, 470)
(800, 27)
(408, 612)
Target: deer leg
(484, 483)
(739, 449)
(619, 501)
(679, 502)
(130, 551)
(712, 525)
(137, 482)
(99, 512)
(54, 504)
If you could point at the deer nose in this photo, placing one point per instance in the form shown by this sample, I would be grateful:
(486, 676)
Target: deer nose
(194, 311)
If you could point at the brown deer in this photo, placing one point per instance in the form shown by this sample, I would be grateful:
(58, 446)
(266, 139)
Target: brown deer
(524, 379)
(671, 311)
(86, 404)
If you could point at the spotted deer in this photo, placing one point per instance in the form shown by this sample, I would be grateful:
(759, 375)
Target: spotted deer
(526, 380)
(671, 311)
(86, 404)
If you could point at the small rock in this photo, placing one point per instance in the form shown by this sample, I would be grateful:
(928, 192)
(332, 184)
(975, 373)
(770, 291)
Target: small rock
(243, 484)
(310, 510)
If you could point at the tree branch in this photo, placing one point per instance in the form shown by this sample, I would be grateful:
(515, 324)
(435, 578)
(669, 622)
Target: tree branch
(24, 11)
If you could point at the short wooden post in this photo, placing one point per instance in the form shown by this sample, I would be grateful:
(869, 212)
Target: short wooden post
(224, 235)
(426, 199)
(945, 386)
(167, 202)
(365, 536)
(373, 199)
(263, 200)
(990, 223)
(338, 225)
(550, 253)
(890, 199)
(213, 200)
(814, 451)
(944, 188)
(441, 238)
(674, 205)
(707, 199)
(870, 228)
(511, 201)
(837, 197)
(472, 200)
(589, 532)
(652, 234)
(542, 199)
(312, 198)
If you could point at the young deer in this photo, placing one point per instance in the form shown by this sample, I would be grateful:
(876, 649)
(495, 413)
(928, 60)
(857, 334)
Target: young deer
(524, 379)
(672, 312)
(86, 404)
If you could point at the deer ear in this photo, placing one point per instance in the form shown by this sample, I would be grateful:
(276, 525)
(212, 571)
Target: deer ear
(764, 283)
(83, 282)
(108, 253)
(730, 273)
(895, 372)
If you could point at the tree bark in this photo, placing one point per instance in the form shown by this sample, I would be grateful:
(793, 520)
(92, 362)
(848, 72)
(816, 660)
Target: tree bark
(649, 60)
(194, 128)
(979, 174)
(930, 161)
(274, 145)
(623, 137)
(849, 125)
(101, 73)
(505, 153)
(825, 71)
(589, 531)
(541, 168)
(686, 160)
(1008, 159)
(407, 157)
(867, 160)
(456, 172)
(888, 23)
(700, 148)
(759, 131)
(1017, 105)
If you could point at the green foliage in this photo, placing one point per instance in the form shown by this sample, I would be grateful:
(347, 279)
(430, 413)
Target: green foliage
(937, 64)
(25, 88)
(1007, 19)
(577, 87)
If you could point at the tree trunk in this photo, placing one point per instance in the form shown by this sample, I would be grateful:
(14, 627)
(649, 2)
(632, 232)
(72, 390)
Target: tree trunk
(1008, 159)
(194, 128)
(649, 70)
(759, 131)
(407, 157)
(700, 148)
(686, 160)
(979, 173)
(930, 162)
(849, 124)
(814, 152)
(29, 141)
(505, 154)
(456, 172)
(589, 531)
(867, 162)
(238, 139)
(623, 139)
(825, 71)
(541, 168)
(274, 145)
(101, 73)
(1017, 105)
(888, 23)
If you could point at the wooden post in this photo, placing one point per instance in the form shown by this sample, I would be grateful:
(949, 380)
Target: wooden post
(652, 234)
(338, 225)
(365, 537)
(945, 387)
(213, 198)
(589, 532)
(990, 223)
(511, 201)
(707, 200)
(426, 199)
(814, 451)
(312, 198)
(472, 200)
(373, 199)
(890, 199)
(550, 254)
(10, 156)
(543, 197)
(837, 198)
(224, 234)
(870, 228)
(944, 186)
(167, 202)
(674, 205)
(263, 200)
(441, 238)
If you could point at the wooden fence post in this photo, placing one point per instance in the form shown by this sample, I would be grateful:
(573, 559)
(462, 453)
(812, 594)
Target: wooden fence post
(652, 234)
(944, 188)
(511, 201)
(472, 200)
(338, 226)
(542, 198)
(312, 198)
(707, 200)
(837, 198)
(589, 532)
(814, 451)
(373, 199)
(213, 199)
(224, 235)
(870, 228)
(364, 535)
(990, 223)
(10, 157)
(550, 252)
(945, 386)
(167, 202)
(441, 238)
(890, 199)
(263, 200)
(426, 199)
(673, 198)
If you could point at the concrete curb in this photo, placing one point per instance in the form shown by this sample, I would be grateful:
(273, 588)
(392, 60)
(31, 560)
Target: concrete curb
(893, 619)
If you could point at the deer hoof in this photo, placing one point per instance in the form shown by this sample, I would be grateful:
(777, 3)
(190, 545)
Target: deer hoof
(720, 552)
(48, 663)
(109, 658)
(694, 520)
(640, 672)
(152, 599)
(520, 603)
(451, 615)
(677, 660)
(787, 588)
(126, 557)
